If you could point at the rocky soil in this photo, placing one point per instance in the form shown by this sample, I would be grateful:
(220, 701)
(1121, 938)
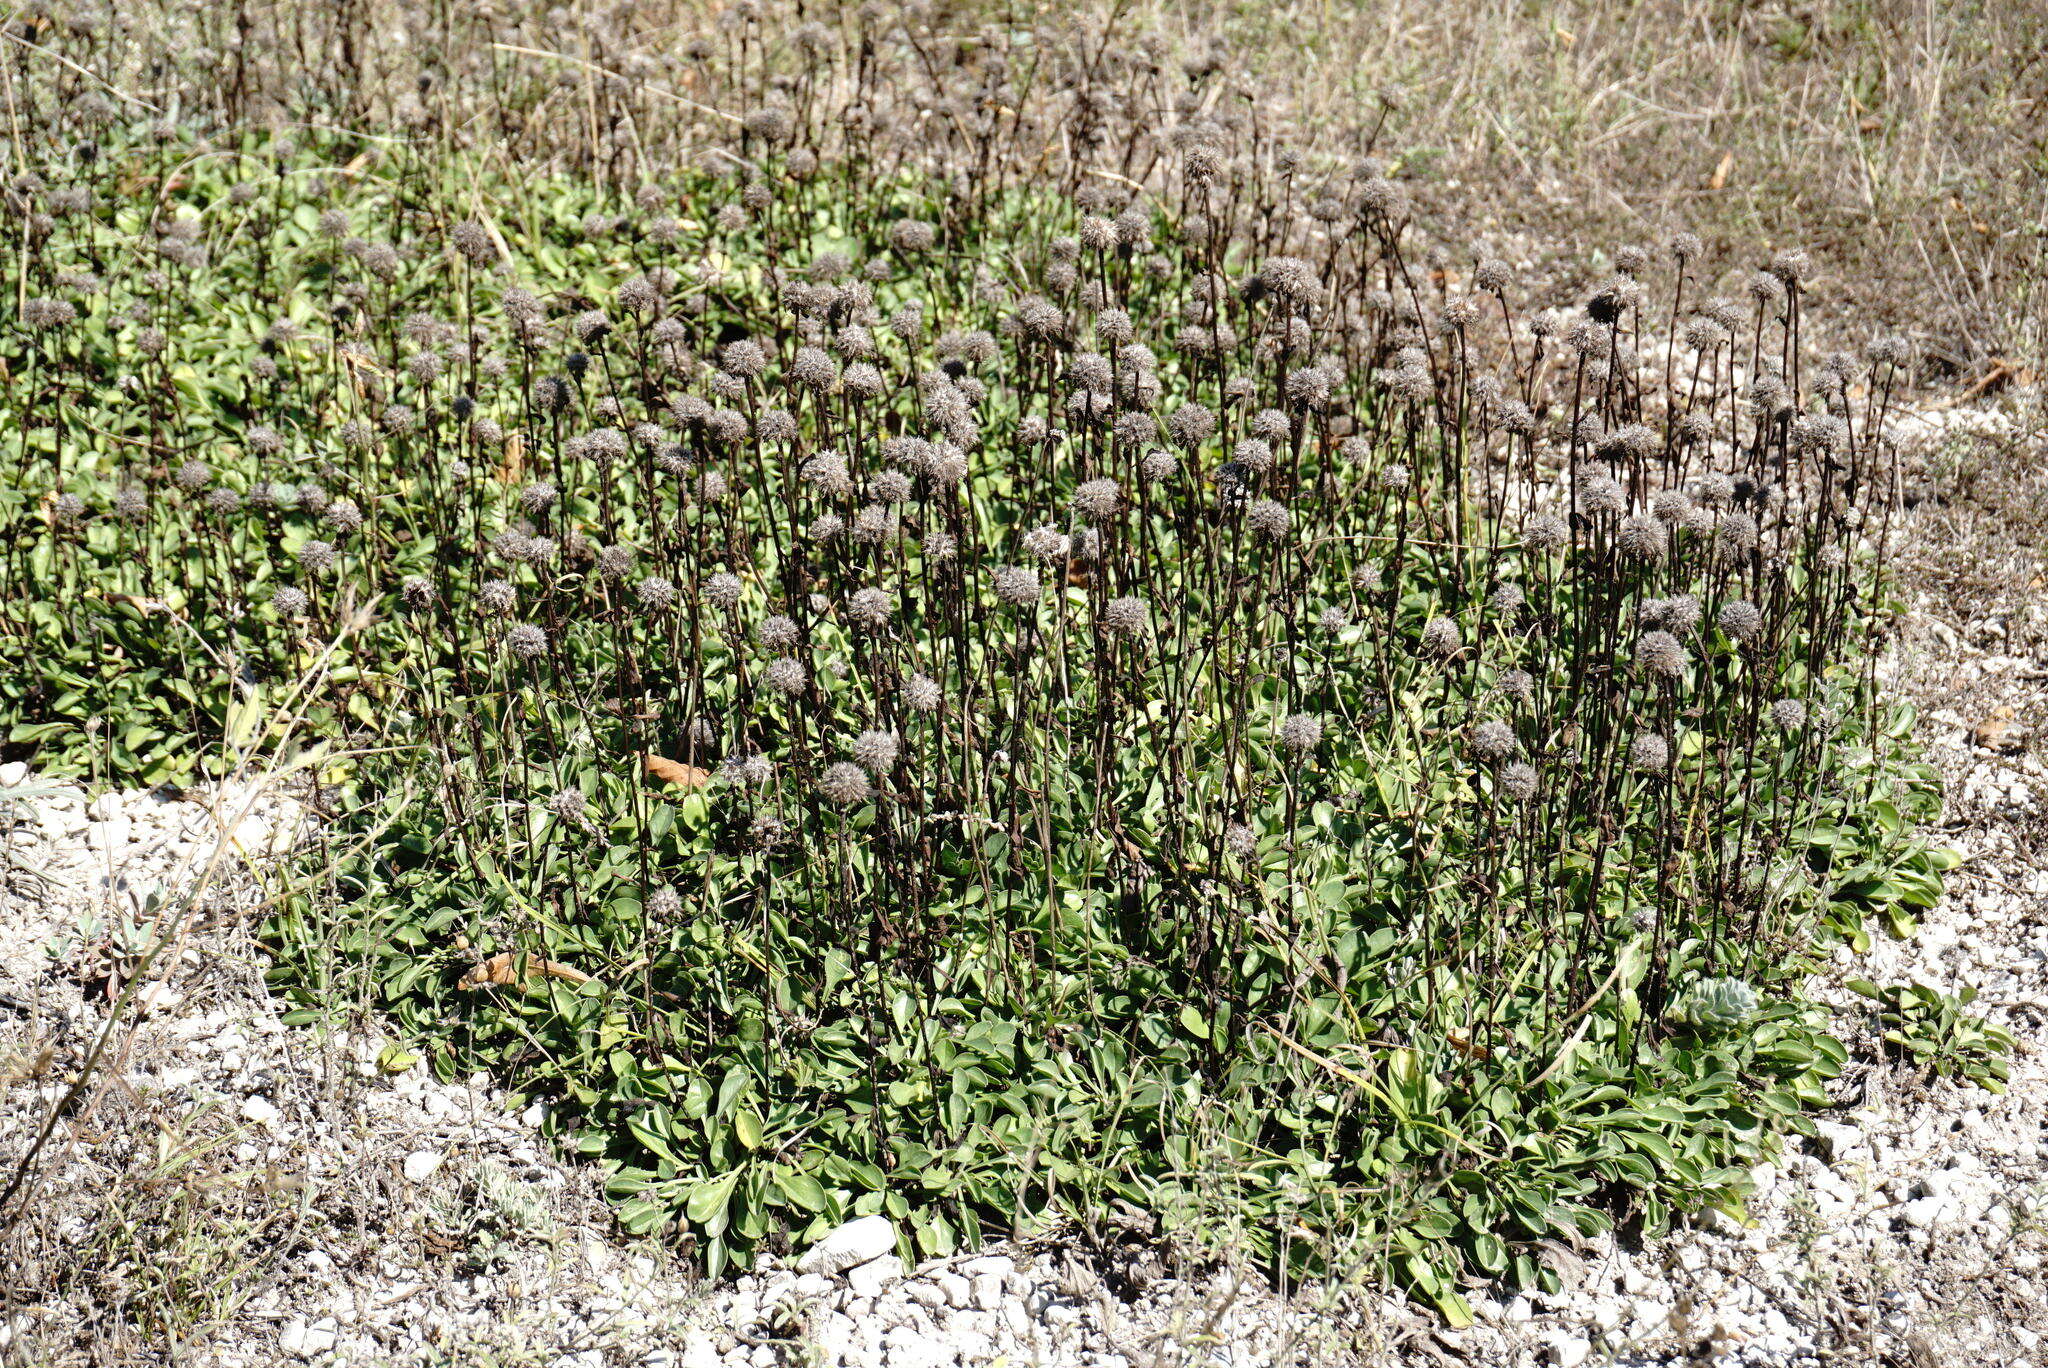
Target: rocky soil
(227, 1189)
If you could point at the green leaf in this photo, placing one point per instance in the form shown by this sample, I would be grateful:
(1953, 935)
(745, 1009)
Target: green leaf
(708, 1200)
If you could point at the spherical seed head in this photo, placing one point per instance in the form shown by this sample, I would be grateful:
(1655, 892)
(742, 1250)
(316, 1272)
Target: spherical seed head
(1240, 840)
(417, 591)
(1791, 267)
(1649, 753)
(1788, 714)
(1669, 506)
(777, 633)
(1641, 538)
(1714, 489)
(1519, 685)
(1440, 638)
(67, 508)
(567, 805)
(1741, 620)
(615, 562)
(317, 556)
(1492, 276)
(785, 675)
(1158, 466)
(890, 487)
(130, 504)
(1660, 654)
(343, 516)
(1190, 425)
(656, 593)
(1268, 518)
(1016, 585)
(290, 601)
(193, 475)
(1098, 499)
(1124, 616)
(870, 608)
(845, 784)
(876, 751)
(526, 641)
(221, 501)
(538, 497)
(1686, 247)
(1546, 532)
(1491, 741)
(912, 235)
(1517, 782)
(1047, 543)
(1301, 732)
(496, 597)
(664, 903)
(873, 525)
(1334, 618)
(1602, 494)
(721, 590)
(1254, 454)
(825, 527)
(1507, 599)
(746, 771)
(1678, 615)
(921, 693)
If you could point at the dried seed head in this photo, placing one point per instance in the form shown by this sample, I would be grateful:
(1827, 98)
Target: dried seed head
(526, 641)
(1124, 616)
(1659, 653)
(921, 693)
(1016, 585)
(785, 675)
(1301, 732)
(1546, 532)
(1741, 620)
(1268, 518)
(721, 590)
(845, 784)
(876, 751)
(1517, 782)
(870, 608)
(1649, 753)
(1491, 741)
(1641, 538)
(1440, 638)
(496, 597)
(1098, 499)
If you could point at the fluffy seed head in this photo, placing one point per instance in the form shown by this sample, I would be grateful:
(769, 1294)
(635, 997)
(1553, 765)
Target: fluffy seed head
(845, 784)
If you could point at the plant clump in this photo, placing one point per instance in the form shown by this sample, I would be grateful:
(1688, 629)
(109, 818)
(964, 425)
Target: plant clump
(1015, 681)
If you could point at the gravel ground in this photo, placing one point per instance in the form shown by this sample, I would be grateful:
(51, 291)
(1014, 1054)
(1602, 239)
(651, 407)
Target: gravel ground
(231, 1190)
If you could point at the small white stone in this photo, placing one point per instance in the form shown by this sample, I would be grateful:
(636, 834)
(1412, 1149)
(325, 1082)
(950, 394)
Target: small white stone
(868, 1279)
(854, 1243)
(305, 1340)
(1569, 1351)
(260, 1110)
(420, 1165)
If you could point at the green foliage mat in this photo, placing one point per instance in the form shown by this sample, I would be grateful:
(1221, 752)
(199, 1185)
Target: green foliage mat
(1222, 903)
